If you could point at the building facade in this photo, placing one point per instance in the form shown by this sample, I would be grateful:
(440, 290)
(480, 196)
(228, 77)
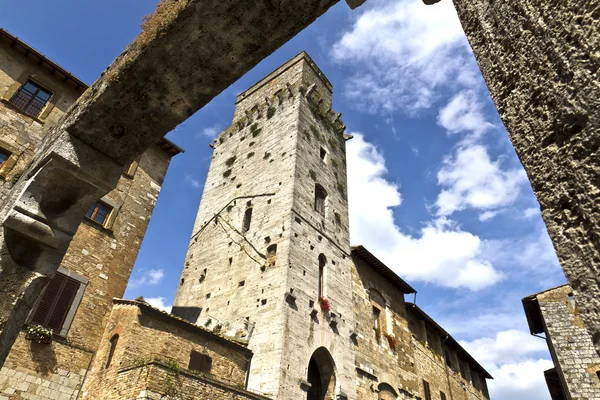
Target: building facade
(34, 94)
(270, 262)
(576, 372)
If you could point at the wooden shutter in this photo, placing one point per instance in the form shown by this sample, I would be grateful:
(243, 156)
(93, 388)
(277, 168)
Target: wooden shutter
(54, 304)
(200, 362)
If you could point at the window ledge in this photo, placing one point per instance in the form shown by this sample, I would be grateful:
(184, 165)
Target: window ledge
(97, 225)
(10, 105)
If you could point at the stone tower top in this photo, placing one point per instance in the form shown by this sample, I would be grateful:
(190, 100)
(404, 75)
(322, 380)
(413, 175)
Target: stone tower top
(300, 71)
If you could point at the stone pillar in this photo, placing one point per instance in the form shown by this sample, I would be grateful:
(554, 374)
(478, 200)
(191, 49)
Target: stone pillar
(540, 61)
(39, 220)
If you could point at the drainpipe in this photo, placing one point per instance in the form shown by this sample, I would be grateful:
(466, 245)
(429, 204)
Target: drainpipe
(446, 369)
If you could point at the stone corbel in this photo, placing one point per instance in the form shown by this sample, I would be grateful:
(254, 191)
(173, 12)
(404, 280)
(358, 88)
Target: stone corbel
(290, 91)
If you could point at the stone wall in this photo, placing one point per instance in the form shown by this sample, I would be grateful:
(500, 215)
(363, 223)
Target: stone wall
(417, 353)
(152, 355)
(570, 344)
(540, 62)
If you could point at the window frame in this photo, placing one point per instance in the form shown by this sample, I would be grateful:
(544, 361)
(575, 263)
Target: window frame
(320, 203)
(73, 307)
(39, 87)
(247, 220)
(7, 154)
(110, 218)
(427, 390)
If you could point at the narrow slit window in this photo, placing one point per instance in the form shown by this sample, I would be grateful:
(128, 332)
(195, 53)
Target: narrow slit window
(111, 350)
(323, 154)
(31, 98)
(320, 198)
(247, 218)
(427, 390)
(322, 263)
(271, 254)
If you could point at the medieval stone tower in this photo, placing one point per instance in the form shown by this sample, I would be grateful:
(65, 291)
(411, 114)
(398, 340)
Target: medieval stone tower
(271, 238)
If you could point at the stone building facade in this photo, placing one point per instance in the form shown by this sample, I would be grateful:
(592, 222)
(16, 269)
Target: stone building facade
(148, 354)
(34, 94)
(270, 262)
(576, 372)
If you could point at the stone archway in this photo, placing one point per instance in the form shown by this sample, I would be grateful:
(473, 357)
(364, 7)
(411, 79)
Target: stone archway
(386, 392)
(321, 376)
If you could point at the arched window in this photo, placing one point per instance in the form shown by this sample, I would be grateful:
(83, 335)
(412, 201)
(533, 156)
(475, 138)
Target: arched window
(247, 218)
(272, 254)
(320, 198)
(386, 392)
(111, 350)
(322, 263)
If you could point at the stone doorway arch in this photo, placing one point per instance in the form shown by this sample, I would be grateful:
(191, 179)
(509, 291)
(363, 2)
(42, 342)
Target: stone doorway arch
(321, 376)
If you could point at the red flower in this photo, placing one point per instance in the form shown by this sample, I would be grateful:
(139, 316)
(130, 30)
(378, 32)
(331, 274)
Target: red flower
(325, 305)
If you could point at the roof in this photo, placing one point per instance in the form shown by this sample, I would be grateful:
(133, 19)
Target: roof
(145, 307)
(170, 147)
(411, 307)
(380, 267)
(44, 62)
(533, 313)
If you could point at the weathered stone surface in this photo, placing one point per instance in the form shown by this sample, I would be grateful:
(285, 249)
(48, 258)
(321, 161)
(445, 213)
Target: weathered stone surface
(576, 362)
(540, 61)
(152, 355)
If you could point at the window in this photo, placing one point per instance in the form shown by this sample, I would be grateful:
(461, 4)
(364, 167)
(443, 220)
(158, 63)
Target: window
(449, 360)
(31, 98)
(433, 340)
(376, 322)
(323, 154)
(57, 304)
(271, 254)
(4, 155)
(322, 263)
(320, 197)
(99, 212)
(247, 218)
(464, 369)
(475, 380)
(442, 396)
(111, 350)
(426, 390)
(200, 362)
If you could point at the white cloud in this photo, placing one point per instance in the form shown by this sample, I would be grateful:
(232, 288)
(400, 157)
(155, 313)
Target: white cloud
(443, 254)
(486, 216)
(159, 302)
(192, 182)
(520, 381)
(514, 359)
(210, 131)
(403, 52)
(531, 212)
(471, 179)
(149, 277)
(464, 113)
(506, 347)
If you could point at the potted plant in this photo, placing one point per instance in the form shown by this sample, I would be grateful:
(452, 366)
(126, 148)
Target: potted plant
(324, 303)
(39, 334)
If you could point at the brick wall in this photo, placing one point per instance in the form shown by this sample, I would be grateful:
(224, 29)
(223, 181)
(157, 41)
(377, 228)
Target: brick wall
(152, 354)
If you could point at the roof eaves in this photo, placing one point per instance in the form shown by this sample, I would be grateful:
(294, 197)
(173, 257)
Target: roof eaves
(383, 269)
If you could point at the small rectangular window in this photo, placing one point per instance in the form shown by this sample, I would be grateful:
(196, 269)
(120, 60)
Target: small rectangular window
(442, 396)
(99, 212)
(323, 154)
(320, 198)
(247, 220)
(426, 390)
(4, 155)
(200, 362)
(55, 303)
(31, 98)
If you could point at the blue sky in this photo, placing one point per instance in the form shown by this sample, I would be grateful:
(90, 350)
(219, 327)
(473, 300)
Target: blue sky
(435, 187)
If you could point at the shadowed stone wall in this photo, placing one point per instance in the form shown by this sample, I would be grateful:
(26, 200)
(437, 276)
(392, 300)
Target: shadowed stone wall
(540, 61)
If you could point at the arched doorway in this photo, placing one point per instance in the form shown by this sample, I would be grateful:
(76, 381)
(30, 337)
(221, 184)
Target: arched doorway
(386, 392)
(321, 376)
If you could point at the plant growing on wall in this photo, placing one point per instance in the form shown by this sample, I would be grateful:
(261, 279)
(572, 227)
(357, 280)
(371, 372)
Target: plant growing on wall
(39, 334)
(324, 303)
(377, 333)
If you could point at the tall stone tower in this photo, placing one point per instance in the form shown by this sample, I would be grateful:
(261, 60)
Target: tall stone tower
(270, 252)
